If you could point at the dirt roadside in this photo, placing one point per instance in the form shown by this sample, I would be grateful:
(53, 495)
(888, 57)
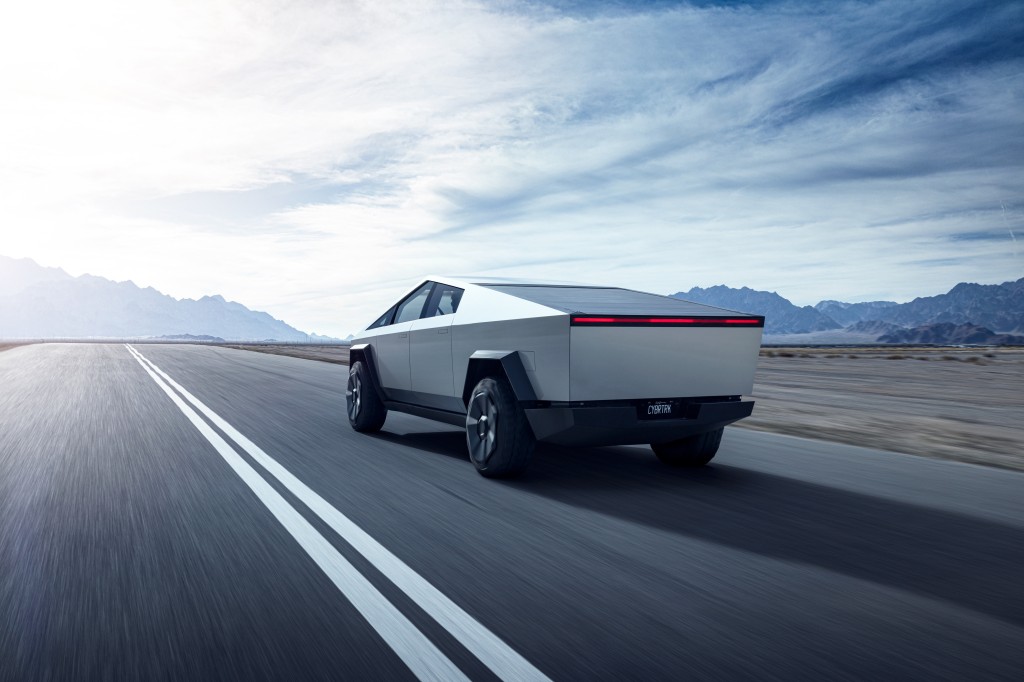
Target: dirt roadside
(959, 404)
(324, 353)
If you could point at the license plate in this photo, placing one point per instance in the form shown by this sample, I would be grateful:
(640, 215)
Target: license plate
(659, 409)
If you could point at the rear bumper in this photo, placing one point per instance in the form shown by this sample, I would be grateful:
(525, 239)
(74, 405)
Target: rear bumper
(620, 424)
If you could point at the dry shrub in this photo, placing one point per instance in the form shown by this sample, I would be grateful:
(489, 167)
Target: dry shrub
(951, 357)
(896, 357)
(787, 354)
(852, 357)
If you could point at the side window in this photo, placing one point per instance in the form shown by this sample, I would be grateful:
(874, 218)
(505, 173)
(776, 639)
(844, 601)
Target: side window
(384, 319)
(410, 308)
(444, 301)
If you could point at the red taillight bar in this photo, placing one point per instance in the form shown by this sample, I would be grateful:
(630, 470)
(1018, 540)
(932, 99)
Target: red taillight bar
(640, 321)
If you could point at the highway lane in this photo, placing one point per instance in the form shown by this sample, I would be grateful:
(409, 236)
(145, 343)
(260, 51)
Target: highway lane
(132, 549)
(131, 552)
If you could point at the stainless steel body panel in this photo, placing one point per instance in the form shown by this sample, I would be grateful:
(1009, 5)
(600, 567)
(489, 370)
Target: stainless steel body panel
(622, 363)
(543, 343)
(480, 304)
(392, 349)
(430, 359)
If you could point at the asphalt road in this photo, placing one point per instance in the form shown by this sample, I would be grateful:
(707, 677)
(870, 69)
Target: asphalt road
(142, 537)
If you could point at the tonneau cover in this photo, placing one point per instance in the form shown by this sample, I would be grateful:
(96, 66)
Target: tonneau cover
(606, 300)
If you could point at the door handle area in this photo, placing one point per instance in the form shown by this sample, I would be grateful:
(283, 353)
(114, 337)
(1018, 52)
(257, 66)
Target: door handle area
(442, 330)
(403, 335)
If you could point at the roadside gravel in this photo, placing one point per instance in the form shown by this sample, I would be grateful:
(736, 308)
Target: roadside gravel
(959, 404)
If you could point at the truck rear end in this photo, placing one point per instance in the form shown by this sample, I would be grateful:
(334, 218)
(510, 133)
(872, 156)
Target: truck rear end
(645, 368)
(619, 357)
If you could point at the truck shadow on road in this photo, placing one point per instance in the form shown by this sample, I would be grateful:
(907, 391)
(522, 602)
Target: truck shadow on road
(963, 560)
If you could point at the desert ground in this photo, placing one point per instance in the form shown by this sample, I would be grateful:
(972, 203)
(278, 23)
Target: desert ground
(337, 354)
(963, 404)
(960, 404)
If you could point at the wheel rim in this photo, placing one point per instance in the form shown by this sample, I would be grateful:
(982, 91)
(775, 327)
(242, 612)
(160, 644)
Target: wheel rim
(354, 396)
(482, 427)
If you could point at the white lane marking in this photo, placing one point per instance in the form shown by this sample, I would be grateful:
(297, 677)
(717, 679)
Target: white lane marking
(492, 651)
(421, 656)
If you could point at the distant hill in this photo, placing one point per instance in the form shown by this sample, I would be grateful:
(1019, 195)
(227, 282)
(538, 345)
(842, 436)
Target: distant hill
(17, 274)
(38, 302)
(996, 306)
(191, 337)
(781, 316)
(850, 313)
(948, 334)
(872, 327)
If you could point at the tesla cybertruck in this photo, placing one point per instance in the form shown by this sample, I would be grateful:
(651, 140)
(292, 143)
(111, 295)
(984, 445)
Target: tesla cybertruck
(517, 362)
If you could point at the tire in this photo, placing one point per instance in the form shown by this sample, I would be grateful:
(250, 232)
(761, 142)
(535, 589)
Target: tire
(498, 437)
(692, 451)
(366, 412)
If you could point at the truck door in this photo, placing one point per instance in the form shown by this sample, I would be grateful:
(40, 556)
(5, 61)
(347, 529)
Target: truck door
(392, 344)
(431, 350)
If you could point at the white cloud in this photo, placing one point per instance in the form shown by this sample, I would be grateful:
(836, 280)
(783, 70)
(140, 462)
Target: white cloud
(313, 159)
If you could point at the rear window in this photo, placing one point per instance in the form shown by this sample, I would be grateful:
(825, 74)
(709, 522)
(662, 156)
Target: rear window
(605, 300)
(444, 301)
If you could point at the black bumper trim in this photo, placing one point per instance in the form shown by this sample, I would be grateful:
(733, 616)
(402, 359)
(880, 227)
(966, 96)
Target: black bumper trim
(621, 425)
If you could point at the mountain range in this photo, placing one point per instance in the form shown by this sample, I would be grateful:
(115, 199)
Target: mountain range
(985, 313)
(41, 302)
(947, 333)
(781, 316)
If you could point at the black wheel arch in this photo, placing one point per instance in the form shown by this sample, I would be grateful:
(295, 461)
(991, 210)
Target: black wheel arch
(363, 352)
(507, 364)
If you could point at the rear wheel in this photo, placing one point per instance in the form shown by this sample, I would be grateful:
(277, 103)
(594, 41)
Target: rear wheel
(366, 412)
(498, 436)
(692, 451)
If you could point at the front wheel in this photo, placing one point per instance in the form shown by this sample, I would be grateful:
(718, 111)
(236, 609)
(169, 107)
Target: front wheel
(498, 436)
(366, 412)
(692, 451)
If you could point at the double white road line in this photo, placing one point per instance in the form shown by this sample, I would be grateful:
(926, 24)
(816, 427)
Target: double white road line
(415, 649)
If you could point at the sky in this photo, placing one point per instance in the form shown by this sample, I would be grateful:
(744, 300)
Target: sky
(318, 159)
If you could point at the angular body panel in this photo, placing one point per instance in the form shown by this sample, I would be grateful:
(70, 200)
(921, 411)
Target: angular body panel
(490, 305)
(619, 363)
(543, 343)
(392, 346)
(430, 356)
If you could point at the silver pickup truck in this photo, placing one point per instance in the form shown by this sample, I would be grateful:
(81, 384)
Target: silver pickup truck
(516, 362)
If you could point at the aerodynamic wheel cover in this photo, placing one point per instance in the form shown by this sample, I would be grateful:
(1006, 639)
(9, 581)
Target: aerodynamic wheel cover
(353, 396)
(482, 427)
